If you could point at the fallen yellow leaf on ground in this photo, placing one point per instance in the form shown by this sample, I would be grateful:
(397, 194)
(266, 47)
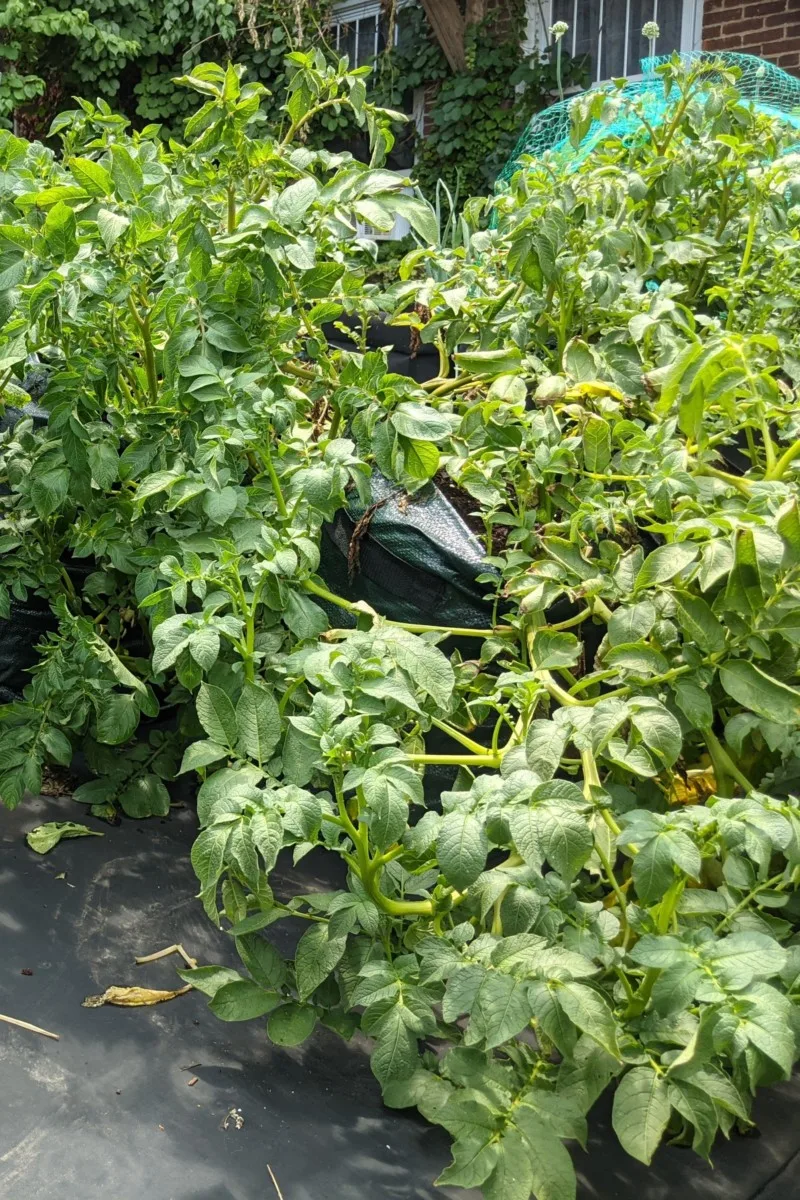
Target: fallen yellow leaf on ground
(132, 997)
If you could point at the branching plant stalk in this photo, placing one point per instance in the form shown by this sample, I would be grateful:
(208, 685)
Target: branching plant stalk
(143, 325)
(663, 919)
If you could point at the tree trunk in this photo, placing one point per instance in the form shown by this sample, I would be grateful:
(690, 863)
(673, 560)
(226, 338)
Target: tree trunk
(448, 25)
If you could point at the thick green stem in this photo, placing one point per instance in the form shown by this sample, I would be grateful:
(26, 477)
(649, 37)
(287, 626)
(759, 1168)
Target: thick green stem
(250, 645)
(497, 920)
(444, 358)
(591, 781)
(560, 694)
(777, 883)
(316, 589)
(612, 879)
(249, 614)
(748, 250)
(148, 354)
(231, 208)
(369, 869)
(304, 916)
(536, 621)
(741, 485)
(626, 689)
(571, 622)
(769, 447)
(455, 760)
(502, 631)
(600, 609)
(784, 462)
(68, 584)
(458, 736)
(273, 478)
(301, 121)
(440, 387)
(457, 631)
(665, 912)
(299, 372)
(720, 756)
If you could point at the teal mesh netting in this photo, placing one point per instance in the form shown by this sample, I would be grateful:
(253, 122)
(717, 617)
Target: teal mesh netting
(772, 90)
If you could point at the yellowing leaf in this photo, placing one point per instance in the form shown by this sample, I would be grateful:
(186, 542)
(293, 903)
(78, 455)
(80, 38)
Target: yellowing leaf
(694, 789)
(133, 997)
(590, 388)
(45, 837)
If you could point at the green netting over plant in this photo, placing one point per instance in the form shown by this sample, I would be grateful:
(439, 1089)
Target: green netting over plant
(626, 111)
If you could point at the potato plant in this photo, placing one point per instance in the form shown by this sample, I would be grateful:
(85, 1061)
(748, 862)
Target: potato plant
(606, 895)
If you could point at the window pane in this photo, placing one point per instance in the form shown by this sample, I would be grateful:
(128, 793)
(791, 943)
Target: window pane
(347, 42)
(622, 30)
(586, 26)
(669, 17)
(367, 28)
(583, 19)
(612, 42)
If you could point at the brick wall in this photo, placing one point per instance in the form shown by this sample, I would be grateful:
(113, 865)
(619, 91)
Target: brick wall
(768, 28)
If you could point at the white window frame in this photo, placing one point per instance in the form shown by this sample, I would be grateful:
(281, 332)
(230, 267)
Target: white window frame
(353, 14)
(347, 12)
(537, 37)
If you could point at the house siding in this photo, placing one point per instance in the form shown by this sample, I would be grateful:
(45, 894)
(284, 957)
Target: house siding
(767, 28)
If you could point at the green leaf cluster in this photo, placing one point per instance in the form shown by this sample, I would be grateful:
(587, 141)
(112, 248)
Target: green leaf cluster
(606, 894)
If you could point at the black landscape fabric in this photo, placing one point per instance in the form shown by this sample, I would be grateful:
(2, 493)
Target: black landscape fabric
(108, 1112)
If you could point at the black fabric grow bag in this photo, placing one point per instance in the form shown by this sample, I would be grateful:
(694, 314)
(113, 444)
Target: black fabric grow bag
(419, 361)
(417, 561)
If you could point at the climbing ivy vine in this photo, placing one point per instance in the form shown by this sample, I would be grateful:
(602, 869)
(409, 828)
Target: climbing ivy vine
(128, 54)
(472, 119)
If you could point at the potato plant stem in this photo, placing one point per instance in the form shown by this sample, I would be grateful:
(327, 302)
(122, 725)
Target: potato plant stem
(719, 755)
(317, 589)
(784, 462)
(741, 485)
(776, 883)
(444, 358)
(143, 324)
(299, 372)
(458, 736)
(457, 631)
(456, 760)
(663, 918)
(571, 622)
(369, 869)
(273, 478)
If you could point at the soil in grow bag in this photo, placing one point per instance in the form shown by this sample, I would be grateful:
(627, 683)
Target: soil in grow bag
(171, 1103)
